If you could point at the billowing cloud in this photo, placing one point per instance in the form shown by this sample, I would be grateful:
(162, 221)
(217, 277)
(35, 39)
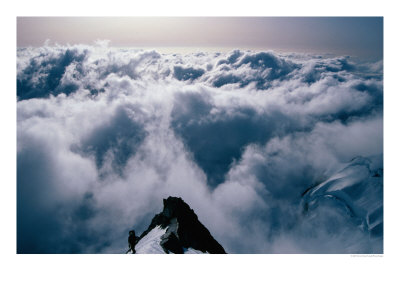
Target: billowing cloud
(104, 134)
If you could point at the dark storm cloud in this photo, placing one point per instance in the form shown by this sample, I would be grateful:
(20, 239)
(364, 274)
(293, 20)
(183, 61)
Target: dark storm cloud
(119, 137)
(36, 221)
(104, 134)
(218, 139)
(187, 73)
(259, 69)
(44, 206)
(43, 76)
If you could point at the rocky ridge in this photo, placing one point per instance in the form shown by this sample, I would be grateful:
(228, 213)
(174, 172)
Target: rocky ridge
(183, 230)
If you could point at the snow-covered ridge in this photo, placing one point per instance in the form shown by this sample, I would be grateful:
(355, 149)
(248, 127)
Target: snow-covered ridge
(177, 230)
(150, 243)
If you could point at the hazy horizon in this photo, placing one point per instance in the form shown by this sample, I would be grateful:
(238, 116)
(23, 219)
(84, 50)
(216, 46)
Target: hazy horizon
(355, 36)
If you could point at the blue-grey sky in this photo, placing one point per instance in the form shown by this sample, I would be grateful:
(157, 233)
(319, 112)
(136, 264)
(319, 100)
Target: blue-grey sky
(356, 36)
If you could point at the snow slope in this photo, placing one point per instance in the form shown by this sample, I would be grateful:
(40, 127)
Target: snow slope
(150, 243)
(351, 198)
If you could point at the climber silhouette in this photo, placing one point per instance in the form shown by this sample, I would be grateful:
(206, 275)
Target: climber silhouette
(132, 240)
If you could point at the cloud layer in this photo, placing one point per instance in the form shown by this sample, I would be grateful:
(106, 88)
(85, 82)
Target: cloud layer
(104, 134)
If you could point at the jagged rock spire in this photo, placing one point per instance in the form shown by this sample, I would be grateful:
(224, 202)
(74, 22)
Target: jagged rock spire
(184, 230)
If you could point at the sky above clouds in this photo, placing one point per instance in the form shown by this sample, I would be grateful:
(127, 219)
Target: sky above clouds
(356, 36)
(104, 134)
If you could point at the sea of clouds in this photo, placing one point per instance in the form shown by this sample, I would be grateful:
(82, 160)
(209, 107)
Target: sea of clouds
(103, 134)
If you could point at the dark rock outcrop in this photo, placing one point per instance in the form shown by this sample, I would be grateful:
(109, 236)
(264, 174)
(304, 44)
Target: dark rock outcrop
(184, 229)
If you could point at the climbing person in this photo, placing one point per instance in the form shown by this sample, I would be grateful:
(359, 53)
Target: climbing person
(132, 240)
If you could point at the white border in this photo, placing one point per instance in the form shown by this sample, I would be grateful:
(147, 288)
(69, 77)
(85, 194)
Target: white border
(198, 277)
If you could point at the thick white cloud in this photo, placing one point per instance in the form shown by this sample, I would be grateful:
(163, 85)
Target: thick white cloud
(104, 134)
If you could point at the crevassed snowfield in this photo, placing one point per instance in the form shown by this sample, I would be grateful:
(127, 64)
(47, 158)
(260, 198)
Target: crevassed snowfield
(104, 134)
(350, 197)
